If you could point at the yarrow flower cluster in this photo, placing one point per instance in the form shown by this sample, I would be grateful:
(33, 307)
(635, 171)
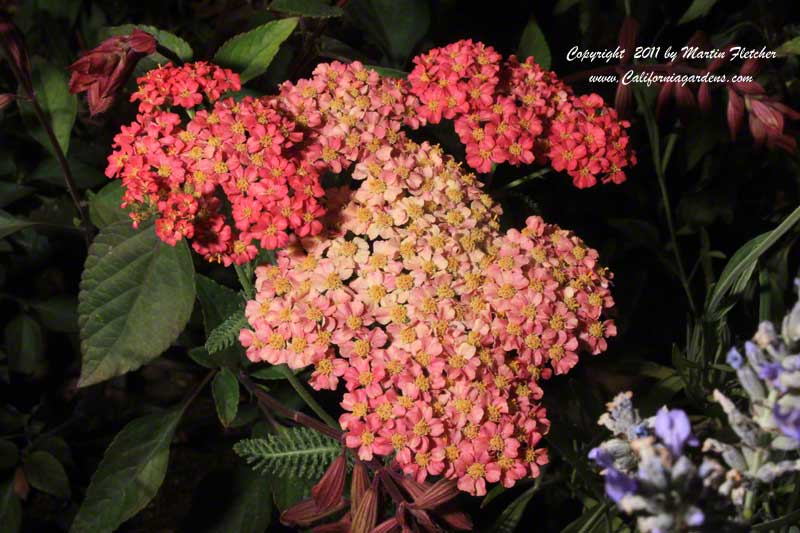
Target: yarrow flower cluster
(649, 472)
(439, 326)
(512, 112)
(247, 172)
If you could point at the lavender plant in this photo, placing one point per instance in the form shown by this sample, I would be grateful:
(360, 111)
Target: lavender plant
(656, 471)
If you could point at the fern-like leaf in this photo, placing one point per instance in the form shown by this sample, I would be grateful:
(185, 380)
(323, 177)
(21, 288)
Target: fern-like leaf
(297, 452)
(227, 333)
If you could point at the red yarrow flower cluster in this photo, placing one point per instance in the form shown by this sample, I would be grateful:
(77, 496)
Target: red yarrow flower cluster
(438, 326)
(516, 113)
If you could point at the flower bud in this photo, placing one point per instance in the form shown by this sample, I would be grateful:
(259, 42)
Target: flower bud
(305, 513)
(735, 113)
(359, 483)
(328, 491)
(12, 45)
(365, 515)
(440, 493)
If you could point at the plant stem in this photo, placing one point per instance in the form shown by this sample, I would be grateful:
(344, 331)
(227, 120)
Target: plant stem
(660, 163)
(307, 398)
(72, 187)
(750, 498)
(267, 403)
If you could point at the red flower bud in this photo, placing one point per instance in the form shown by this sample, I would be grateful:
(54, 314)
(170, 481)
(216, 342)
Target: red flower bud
(623, 101)
(5, 100)
(105, 69)
(12, 45)
(365, 516)
(359, 483)
(20, 484)
(751, 67)
(328, 491)
(305, 513)
(664, 98)
(627, 38)
(438, 494)
(704, 98)
(387, 526)
(735, 113)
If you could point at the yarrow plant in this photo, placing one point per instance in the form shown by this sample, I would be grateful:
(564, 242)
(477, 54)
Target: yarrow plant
(650, 472)
(517, 112)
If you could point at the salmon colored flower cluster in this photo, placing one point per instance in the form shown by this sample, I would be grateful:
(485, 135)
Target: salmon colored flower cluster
(438, 326)
(512, 112)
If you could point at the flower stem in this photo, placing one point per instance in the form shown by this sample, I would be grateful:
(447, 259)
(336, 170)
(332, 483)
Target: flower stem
(268, 404)
(750, 499)
(246, 281)
(72, 187)
(306, 397)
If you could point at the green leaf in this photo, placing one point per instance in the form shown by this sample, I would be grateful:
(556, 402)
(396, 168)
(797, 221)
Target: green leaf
(587, 520)
(59, 313)
(227, 333)
(136, 296)
(11, 192)
(287, 491)
(698, 9)
(168, 40)
(51, 85)
(396, 27)
(237, 501)
(200, 356)
(10, 508)
(533, 43)
(509, 519)
(388, 72)
(104, 205)
(307, 8)
(737, 273)
(791, 46)
(9, 454)
(10, 224)
(298, 452)
(225, 389)
(130, 473)
(46, 474)
(250, 53)
(24, 343)
(563, 5)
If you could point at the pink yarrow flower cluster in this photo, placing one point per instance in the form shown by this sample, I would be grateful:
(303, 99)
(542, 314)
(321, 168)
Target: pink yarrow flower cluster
(518, 113)
(438, 326)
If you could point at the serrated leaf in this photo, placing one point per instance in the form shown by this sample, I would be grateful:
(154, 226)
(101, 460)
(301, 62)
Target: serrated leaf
(226, 334)
(698, 9)
(10, 224)
(270, 372)
(136, 296)
(51, 85)
(218, 302)
(297, 452)
(105, 205)
(510, 517)
(739, 269)
(168, 40)
(46, 474)
(396, 27)
(130, 473)
(225, 389)
(533, 43)
(250, 53)
(307, 8)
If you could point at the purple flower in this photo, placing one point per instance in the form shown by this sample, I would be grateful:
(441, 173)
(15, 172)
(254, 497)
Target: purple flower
(735, 359)
(788, 422)
(601, 457)
(618, 485)
(772, 372)
(674, 430)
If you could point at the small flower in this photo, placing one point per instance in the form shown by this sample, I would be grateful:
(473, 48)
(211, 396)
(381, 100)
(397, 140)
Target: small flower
(673, 428)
